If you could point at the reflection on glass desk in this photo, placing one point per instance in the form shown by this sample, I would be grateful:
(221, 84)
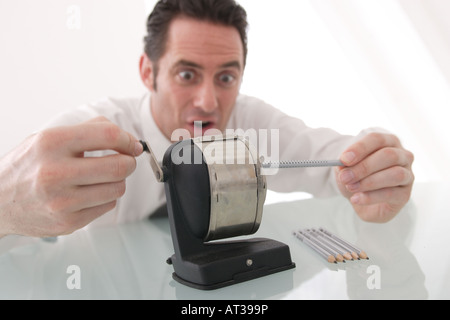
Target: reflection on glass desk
(409, 258)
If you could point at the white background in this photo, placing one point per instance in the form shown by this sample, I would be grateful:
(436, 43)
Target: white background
(344, 64)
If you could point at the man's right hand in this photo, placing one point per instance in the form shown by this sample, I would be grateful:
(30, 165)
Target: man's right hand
(48, 187)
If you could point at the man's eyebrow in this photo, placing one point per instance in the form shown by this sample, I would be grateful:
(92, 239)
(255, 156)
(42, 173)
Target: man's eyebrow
(232, 64)
(186, 63)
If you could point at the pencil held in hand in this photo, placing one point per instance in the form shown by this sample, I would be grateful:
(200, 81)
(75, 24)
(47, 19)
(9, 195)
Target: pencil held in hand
(302, 164)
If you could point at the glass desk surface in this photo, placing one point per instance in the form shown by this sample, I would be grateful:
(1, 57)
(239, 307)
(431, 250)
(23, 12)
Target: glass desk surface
(409, 257)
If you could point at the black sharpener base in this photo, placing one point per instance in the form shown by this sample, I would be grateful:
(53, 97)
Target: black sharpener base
(223, 264)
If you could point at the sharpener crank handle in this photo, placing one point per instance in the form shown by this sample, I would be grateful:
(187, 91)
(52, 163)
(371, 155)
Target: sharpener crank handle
(157, 170)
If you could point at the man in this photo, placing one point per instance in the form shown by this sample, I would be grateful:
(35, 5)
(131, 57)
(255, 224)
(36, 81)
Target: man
(193, 65)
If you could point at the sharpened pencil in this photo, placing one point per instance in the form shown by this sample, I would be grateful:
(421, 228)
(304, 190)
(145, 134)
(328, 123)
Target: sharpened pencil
(332, 244)
(330, 258)
(348, 253)
(311, 236)
(355, 251)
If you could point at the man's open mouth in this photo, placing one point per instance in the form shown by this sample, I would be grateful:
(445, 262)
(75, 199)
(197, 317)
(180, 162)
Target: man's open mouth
(201, 127)
(202, 124)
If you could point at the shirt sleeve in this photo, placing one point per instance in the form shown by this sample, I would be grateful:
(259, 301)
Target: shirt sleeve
(116, 111)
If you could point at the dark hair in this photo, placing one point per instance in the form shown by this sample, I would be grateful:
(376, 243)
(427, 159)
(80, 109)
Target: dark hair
(226, 12)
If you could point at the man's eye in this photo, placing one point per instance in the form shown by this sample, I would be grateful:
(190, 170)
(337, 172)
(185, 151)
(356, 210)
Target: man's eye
(226, 78)
(186, 75)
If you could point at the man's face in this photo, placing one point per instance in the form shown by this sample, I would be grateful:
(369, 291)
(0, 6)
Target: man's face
(199, 76)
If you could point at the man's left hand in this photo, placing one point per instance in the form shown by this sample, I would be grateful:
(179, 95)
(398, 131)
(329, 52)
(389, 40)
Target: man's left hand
(377, 177)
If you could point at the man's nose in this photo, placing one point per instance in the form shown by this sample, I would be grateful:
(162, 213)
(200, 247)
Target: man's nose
(206, 97)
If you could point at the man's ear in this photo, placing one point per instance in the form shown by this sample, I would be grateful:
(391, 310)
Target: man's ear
(146, 71)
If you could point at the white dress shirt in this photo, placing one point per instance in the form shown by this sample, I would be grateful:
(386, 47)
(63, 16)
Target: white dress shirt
(296, 142)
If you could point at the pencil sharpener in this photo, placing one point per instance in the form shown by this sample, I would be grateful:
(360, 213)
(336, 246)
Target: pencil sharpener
(215, 190)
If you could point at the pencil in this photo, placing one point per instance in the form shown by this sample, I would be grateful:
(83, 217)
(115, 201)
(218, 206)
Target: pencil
(302, 164)
(330, 258)
(334, 245)
(341, 242)
(346, 252)
(338, 257)
(355, 250)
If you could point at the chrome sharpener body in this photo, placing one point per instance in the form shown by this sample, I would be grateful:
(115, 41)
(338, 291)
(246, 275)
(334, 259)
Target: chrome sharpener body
(215, 190)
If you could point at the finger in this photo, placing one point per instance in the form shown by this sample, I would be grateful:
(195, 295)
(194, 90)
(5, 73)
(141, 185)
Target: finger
(86, 197)
(397, 196)
(78, 198)
(366, 146)
(82, 218)
(379, 160)
(98, 170)
(98, 119)
(88, 215)
(379, 213)
(103, 135)
(391, 177)
(373, 207)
